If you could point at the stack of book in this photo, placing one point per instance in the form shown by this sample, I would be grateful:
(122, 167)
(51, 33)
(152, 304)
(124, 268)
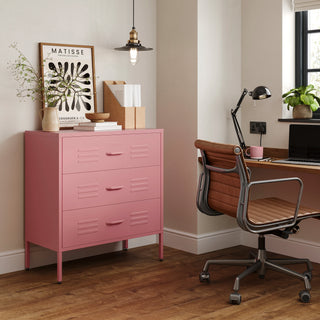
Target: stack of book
(98, 126)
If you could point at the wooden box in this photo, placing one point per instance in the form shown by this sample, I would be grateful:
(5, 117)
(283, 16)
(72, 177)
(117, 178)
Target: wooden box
(128, 117)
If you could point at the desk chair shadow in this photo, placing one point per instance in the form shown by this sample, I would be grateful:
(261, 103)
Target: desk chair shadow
(225, 187)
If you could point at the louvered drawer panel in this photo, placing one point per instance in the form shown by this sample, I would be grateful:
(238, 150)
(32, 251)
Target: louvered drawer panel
(83, 154)
(108, 187)
(110, 223)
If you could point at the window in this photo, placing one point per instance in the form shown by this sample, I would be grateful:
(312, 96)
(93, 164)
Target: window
(308, 50)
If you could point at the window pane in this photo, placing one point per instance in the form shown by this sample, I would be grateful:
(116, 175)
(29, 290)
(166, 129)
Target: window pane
(314, 19)
(314, 51)
(314, 78)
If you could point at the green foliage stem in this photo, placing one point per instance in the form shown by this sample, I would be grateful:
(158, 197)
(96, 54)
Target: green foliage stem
(32, 85)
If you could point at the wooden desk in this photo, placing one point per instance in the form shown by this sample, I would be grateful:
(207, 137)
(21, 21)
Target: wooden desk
(274, 154)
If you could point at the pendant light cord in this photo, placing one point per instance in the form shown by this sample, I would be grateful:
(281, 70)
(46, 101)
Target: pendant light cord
(133, 27)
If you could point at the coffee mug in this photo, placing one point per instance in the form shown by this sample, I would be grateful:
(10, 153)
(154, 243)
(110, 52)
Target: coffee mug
(254, 152)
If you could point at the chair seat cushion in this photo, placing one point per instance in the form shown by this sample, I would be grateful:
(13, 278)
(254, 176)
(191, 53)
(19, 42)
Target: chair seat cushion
(268, 210)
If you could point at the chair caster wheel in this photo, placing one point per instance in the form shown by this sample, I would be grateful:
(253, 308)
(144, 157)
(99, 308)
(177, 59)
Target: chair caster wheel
(304, 296)
(204, 276)
(235, 298)
(308, 274)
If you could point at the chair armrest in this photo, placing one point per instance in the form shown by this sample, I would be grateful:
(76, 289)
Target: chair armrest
(266, 227)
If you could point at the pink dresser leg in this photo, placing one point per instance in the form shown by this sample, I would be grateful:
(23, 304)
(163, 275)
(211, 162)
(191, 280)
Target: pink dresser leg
(59, 267)
(124, 244)
(27, 255)
(161, 246)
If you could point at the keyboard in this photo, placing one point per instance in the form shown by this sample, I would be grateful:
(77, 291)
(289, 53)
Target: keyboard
(306, 162)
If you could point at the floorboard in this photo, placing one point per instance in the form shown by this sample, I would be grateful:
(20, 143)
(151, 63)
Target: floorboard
(134, 284)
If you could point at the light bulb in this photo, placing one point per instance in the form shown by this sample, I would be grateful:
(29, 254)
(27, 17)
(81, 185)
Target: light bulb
(133, 55)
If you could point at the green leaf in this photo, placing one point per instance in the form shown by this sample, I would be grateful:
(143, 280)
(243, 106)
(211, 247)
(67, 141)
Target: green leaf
(302, 90)
(314, 106)
(307, 99)
(309, 88)
(287, 93)
(292, 101)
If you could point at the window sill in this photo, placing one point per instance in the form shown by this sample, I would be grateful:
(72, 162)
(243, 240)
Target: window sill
(312, 120)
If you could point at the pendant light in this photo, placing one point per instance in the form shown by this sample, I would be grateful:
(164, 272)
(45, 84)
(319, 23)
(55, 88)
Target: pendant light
(133, 45)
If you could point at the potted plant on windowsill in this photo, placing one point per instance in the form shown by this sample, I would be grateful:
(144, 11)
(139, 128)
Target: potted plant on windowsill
(302, 100)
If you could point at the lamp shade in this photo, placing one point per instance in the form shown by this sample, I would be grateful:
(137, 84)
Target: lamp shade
(260, 93)
(133, 45)
(129, 46)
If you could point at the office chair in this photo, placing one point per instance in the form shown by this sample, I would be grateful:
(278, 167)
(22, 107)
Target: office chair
(225, 188)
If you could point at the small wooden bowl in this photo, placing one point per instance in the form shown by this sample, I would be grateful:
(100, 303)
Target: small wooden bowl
(97, 116)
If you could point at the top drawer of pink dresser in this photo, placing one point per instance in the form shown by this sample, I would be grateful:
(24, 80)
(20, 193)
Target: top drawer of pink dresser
(83, 154)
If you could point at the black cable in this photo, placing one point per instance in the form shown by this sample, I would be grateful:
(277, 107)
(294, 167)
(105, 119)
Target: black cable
(133, 14)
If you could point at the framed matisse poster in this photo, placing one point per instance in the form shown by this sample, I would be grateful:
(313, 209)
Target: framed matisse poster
(68, 81)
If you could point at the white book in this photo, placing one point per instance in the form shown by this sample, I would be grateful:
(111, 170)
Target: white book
(99, 124)
(128, 95)
(90, 128)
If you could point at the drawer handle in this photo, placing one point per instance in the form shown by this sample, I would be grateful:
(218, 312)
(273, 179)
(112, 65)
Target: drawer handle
(112, 223)
(114, 153)
(114, 188)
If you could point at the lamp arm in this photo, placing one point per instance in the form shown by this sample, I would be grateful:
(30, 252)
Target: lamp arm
(235, 121)
(244, 93)
(238, 131)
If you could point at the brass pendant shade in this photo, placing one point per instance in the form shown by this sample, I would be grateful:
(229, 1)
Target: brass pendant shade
(133, 42)
(133, 45)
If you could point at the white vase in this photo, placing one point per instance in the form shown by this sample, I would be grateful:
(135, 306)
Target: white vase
(50, 120)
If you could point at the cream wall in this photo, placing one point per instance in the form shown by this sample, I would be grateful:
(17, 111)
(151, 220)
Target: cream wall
(177, 109)
(219, 81)
(262, 65)
(198, 81)
(105, 24)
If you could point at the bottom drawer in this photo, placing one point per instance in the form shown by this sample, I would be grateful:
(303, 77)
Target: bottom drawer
(110, 223)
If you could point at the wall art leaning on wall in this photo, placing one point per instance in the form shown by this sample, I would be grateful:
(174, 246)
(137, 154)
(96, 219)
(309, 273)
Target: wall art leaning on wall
(69, 72)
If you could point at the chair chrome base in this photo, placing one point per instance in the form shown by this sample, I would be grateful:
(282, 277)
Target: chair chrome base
(260, 263)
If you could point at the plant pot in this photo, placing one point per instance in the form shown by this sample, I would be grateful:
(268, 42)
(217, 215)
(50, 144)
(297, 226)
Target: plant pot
(302, 111)
(50, 120)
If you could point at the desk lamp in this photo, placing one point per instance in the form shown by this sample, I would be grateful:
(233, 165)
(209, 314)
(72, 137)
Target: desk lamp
(258, 93)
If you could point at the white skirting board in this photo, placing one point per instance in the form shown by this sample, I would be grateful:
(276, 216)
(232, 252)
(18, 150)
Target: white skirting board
(204, 243)
(11, 261)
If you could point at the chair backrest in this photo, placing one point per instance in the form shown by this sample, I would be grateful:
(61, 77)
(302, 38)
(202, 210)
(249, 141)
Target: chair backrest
(224, 178)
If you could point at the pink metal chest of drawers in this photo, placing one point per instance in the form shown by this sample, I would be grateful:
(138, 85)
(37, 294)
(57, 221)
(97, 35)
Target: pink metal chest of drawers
(89, 188)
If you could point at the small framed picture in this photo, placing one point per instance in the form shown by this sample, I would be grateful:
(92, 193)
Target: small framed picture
(68, 81)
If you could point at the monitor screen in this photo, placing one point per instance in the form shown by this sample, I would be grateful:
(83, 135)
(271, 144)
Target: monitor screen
(304, 141)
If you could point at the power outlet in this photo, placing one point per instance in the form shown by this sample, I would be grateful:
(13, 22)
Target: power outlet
(258, 127)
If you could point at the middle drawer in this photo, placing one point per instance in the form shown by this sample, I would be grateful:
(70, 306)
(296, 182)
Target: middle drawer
(83, 190)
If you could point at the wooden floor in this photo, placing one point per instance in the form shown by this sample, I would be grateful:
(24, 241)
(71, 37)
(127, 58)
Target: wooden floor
(135, 285)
